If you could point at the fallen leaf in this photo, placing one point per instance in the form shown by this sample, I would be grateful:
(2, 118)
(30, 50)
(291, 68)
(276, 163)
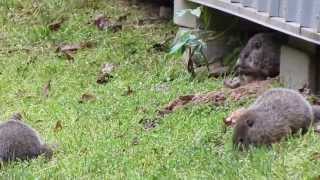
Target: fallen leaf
(102, 22)
(75, 47)
(58, 126)
(128, 92)
(86, 97)
(68, 47)
(46, 89)
(135, 141)
(107, 68)
(68, 50)
(105, 73)
(149, 124)
(56, 25)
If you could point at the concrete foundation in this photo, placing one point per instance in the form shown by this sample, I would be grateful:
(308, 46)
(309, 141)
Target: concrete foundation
(297, 69)
(187, 20)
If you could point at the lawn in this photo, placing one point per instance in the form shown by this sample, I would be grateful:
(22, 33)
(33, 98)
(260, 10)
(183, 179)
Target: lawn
(104, 138)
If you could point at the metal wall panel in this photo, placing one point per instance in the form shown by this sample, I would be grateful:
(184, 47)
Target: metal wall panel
(299, 18)
(273, 8)
(303, 12)
(246, 3)
(315, 17)
(291, 10)
(262, 5)
(306, 11)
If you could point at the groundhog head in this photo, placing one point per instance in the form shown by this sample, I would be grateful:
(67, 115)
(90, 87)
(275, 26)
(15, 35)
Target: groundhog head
(246, 130)
(260, 57)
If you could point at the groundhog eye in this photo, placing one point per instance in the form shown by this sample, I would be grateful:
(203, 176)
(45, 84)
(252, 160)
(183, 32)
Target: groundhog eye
(250, 122)
(257, 45)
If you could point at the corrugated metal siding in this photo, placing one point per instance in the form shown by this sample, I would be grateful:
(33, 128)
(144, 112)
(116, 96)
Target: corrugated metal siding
(300, 18)
(304, 12)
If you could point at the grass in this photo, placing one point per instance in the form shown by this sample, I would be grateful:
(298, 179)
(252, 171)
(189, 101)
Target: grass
(103, 138)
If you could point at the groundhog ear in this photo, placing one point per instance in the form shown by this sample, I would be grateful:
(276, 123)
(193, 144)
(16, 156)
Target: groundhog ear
(250, 122)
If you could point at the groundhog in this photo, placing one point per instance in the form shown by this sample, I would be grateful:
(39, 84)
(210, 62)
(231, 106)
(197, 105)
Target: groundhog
(276, 114)
(258, 60)
(20, 141)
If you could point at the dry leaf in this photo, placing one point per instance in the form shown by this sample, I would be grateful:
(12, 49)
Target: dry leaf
(46, 89)
(58, 126)
(86, 97)
(135, 141)
(55, 25)
(105, 73)
(75, 47)
(101, 22)
(128, 92)
(68, 49)
(149, 124)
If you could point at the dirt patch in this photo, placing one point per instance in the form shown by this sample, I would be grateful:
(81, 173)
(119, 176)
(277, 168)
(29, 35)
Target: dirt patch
(218, 98)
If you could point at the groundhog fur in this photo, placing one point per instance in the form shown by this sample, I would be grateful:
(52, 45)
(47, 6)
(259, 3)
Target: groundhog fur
(258, 60)
(274, 115)
(18, 141)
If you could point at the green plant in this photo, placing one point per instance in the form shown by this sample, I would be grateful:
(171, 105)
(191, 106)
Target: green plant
(193, 40)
